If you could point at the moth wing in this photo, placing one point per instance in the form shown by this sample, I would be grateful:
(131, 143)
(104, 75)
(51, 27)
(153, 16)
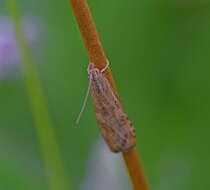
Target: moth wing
(117, 140)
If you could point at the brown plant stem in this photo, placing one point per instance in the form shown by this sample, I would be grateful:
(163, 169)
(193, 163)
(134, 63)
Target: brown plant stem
(98, 58)
(135, 169)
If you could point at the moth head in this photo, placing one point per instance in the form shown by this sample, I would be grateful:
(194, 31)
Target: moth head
(92, 70)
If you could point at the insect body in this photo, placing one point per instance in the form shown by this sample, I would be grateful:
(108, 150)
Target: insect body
(114, 124)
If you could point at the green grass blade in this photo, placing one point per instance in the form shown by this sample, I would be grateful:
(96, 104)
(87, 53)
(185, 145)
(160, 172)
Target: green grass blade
(45, 133)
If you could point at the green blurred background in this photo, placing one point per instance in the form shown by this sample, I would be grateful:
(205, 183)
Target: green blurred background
(159, 53)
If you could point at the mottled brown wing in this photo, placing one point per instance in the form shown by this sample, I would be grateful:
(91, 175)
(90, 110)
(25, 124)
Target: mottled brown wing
(119, 141)
(114, 124)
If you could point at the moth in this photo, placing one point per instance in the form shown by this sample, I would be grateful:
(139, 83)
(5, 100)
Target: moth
(115, 126)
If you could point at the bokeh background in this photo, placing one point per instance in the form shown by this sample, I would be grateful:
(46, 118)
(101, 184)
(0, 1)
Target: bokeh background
(159, 52)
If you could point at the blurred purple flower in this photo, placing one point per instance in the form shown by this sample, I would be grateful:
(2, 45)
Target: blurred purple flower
(9, 55)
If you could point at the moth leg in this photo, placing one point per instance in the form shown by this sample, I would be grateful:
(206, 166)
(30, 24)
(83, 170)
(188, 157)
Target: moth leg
(91, 67)
(106, 67)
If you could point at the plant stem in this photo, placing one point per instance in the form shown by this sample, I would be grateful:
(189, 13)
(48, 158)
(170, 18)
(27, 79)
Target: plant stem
(97, 57)
(44, 128)
(135, 169)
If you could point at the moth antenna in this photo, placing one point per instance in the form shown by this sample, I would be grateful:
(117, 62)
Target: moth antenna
(84, 103)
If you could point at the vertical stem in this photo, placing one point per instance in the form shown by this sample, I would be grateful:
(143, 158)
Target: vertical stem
(88, 30)
(44, 128)
(135, 169)
(90, 36)
(97, 56)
